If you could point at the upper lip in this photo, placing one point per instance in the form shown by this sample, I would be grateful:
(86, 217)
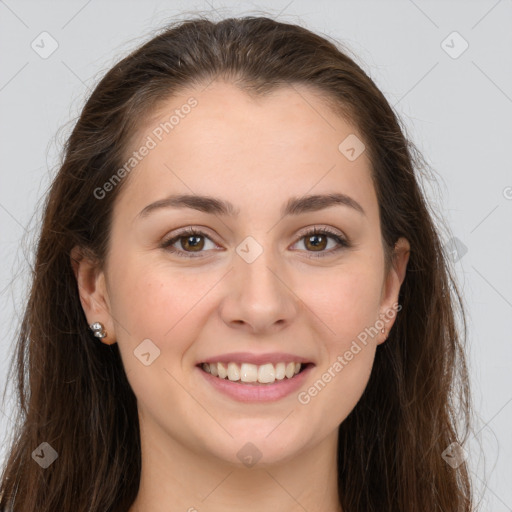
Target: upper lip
(257, 359)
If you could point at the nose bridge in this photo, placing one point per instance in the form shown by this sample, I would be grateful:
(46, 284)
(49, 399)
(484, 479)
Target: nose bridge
(258, 266)
(258, 294)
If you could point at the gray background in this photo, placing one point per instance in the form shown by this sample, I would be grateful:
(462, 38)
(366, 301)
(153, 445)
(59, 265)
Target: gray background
(457, 111)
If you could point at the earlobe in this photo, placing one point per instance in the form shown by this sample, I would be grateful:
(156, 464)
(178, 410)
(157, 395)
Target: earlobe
(92, 291)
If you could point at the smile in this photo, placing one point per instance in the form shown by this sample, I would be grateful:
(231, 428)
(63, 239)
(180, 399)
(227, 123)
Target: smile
(251, 383)
(251, 373)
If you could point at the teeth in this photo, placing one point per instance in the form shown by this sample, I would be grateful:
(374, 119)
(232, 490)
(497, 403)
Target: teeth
(221, 369)
(247, 372)
(266, 373)
(233, 371)
(290, 370)
(280, 371)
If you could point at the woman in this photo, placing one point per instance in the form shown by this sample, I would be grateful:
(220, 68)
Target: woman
(240, 299)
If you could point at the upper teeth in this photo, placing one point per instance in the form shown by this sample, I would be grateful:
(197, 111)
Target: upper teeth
(246, 372)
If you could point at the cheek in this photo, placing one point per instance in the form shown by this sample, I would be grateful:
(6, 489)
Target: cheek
(348, 305)
(344, 380)
(349, 353)
(347, 301)
(149, 297)
(153, 301)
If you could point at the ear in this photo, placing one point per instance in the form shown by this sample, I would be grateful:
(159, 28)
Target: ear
(92, 291)
(391, 287)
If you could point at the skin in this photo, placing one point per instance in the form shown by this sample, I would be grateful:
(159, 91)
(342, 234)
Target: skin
(255, 153)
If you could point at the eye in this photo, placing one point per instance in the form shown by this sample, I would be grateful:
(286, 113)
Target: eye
(317, 239)
(192, 241)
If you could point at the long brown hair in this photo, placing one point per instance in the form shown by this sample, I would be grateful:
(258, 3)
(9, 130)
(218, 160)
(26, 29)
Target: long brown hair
(73, 390)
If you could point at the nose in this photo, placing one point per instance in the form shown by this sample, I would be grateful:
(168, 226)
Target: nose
(258, 297)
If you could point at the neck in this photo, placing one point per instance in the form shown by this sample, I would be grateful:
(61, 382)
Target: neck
(175, 477)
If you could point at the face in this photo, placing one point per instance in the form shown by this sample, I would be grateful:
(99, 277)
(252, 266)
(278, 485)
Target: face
(252, 285)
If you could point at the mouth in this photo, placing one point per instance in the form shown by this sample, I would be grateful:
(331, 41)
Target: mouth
(255, 375)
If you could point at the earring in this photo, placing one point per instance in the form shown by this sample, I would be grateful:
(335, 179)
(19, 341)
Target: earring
(98, 329)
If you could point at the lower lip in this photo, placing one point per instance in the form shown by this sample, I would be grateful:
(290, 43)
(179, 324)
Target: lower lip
(258, 392)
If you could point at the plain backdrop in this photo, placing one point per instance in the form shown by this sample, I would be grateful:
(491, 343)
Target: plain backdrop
(446, 68)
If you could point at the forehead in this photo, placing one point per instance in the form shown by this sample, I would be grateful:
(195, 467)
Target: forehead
(223, 142)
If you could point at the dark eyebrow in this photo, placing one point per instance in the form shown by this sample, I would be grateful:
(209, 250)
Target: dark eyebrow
(212, 205)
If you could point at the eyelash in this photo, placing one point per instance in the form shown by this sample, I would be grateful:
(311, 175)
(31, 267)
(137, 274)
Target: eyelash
(167, 244)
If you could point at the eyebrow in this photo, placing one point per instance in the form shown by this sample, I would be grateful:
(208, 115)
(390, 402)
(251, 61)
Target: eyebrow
(215, 206)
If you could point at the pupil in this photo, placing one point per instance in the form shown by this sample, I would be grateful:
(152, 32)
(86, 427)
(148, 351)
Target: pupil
(316, 244)
(193, 244)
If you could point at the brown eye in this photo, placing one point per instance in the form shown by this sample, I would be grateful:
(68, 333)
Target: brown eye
(316, 242)
(192, 242)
